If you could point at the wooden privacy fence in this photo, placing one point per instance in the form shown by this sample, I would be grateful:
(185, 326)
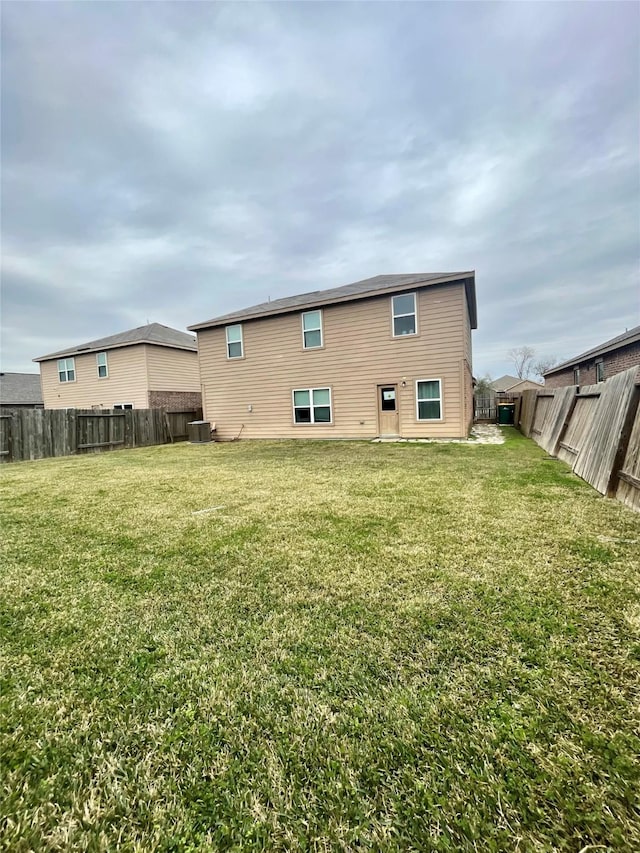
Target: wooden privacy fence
(40, 433)
(594, 428)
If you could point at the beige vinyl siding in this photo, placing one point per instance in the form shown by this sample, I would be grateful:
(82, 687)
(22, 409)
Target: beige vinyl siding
(359, 354)
(172, 369)
(126, 383)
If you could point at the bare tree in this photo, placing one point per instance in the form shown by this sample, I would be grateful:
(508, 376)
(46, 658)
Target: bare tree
(543, 364)
(522, 358)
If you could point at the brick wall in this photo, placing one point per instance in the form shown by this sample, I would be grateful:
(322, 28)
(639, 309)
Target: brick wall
(614, 362)
(175, 401)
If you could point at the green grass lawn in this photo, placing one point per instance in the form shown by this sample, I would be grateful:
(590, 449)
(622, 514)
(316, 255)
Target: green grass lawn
(393, 647)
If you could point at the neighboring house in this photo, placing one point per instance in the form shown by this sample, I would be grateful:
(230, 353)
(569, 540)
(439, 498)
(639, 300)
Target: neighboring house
(149, 367)
(387, 356)
(507, 385)
(503, 388)
(20, 391)
(598, 364)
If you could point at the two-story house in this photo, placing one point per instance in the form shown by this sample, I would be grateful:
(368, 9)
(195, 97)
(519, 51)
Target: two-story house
(387, 356)
(149, 367)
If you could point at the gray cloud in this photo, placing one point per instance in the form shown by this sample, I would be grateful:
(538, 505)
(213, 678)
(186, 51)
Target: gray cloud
(175, 161)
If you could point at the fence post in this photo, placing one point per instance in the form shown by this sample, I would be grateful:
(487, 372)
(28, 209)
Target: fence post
(563, 429)
(129, 433)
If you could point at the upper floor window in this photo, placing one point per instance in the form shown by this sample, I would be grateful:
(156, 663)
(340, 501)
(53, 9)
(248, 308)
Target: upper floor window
(599, 370)
(101, 361)
(312, 329)
(404, 314)
(576, 375)
(67, 369)
(312, 406)
(429, 399)
(234, 341)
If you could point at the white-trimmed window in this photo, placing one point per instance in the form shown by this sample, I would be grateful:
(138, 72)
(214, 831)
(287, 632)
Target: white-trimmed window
(312, 329)
(67, 369)
(312, 406)
(101, 362)
(235, 349)
(403, 309)
(599, 370)
(429, 399)
(123, 405)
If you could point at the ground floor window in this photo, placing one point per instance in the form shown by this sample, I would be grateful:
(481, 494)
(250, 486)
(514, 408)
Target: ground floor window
(123, 405)
(312, 406)
(429, 399)
(599, 370)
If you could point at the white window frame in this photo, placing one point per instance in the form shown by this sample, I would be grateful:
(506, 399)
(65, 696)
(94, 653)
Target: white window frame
(66, 370)
(312, 422)
(241, 341)
(315, 329)
(413, 314)
(429, 400)
(123, 406)
(105, 365)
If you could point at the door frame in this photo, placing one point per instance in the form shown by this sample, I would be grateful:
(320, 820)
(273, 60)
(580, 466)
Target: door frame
(379, 388)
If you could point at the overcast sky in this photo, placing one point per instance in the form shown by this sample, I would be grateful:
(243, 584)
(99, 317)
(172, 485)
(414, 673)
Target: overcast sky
(171, 162)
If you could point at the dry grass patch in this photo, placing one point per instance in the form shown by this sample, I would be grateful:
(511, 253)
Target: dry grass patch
(365, 647)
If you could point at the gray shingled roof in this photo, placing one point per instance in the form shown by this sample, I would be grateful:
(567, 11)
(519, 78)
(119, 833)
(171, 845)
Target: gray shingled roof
(626, 338)
(377, 285)
(154, 333)
(20, 389)
(503, 383)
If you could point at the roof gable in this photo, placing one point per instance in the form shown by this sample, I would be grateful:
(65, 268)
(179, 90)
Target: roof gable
(504, 382)
(154, 333)
(366, 288)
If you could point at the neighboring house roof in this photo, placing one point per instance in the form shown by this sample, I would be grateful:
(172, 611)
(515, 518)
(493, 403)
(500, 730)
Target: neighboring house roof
(631, 336)
(525, 385)
(154, 333)
(511, 383)
(20, 389)
(378, 285)
(503, 383)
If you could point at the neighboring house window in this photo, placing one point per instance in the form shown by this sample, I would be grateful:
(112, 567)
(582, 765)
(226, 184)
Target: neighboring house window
(576, 375)
(312, 406)
(600, 370)
(429, 399)
(312, 329)
(66, 370)
(101, 361)
(404, 314)
(234, 341)
(123, 405)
